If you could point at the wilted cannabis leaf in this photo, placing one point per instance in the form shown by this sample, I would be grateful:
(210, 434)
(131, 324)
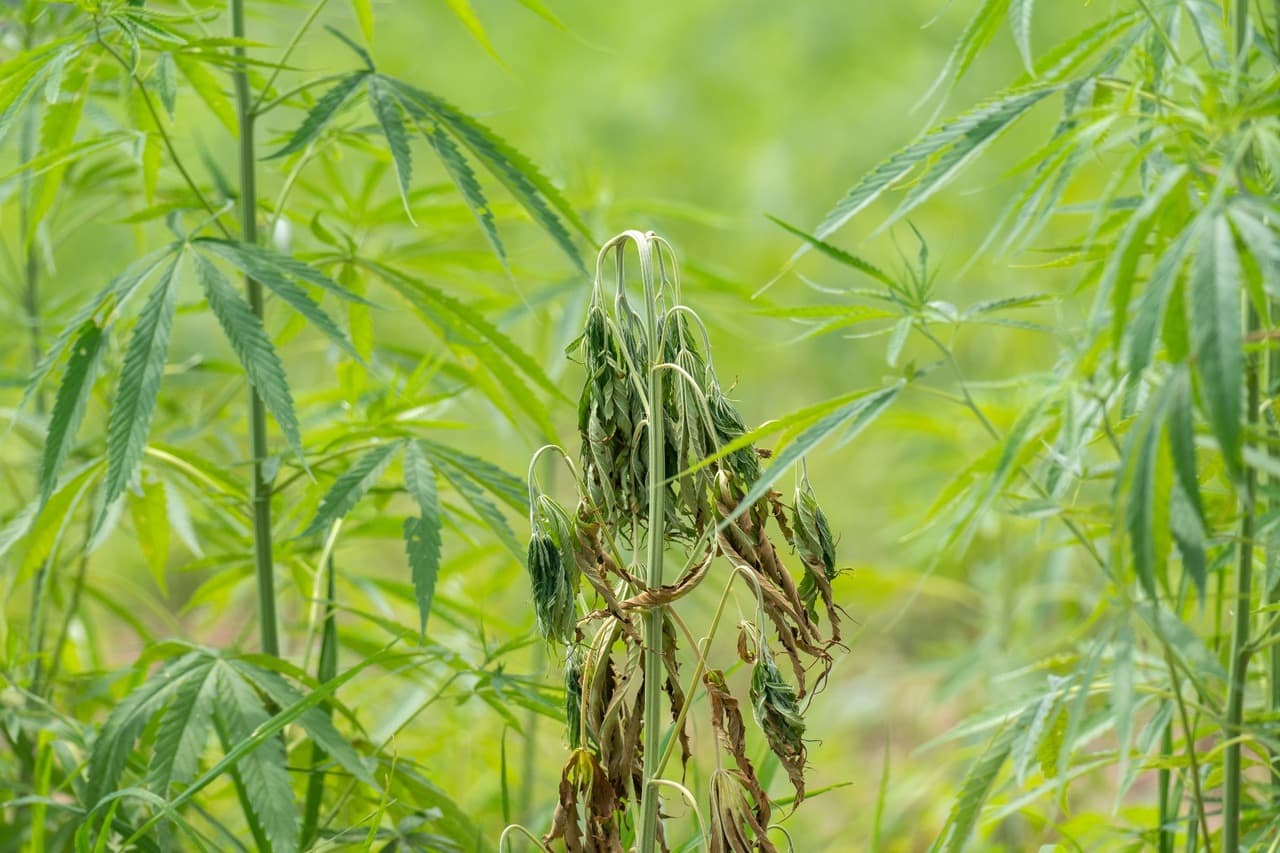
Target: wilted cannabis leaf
(652, 419)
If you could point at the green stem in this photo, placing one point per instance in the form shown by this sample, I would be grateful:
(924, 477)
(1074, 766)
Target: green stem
(1193, 769)
(263, 561)
(653, 633)
(1164, 830)
(326, 670)
(1241, 21)
(1271, 588)
(165, 138)
(1272, 583)
(1240, 648)
(73, 605)
(31, 269)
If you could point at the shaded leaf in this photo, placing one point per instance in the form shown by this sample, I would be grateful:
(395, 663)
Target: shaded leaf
(241, 713)
(70, 403)
(1216, 331)
(422, 534)
(129, 423)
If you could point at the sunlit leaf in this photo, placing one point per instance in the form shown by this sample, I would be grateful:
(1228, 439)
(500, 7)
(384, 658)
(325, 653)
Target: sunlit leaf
(252, 346)
(351, 486)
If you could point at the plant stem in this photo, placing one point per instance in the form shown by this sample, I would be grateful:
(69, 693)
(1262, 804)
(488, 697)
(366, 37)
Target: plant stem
(326, 670)
(1241, 22)
(264, 563)
(1240, 648)
(1164, 777)
(1271, 589)
(31, 269)
(149, 102)
(653, 617)
(1188, 732)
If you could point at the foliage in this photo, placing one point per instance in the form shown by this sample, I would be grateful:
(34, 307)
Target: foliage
(1149, 444)
(139, 442)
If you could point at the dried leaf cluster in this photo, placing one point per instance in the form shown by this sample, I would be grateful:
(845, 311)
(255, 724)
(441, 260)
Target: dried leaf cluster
(703, 525)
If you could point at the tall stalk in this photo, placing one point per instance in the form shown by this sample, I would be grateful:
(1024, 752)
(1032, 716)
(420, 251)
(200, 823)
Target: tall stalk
(263, 561)
(1240, 648)
(1271, 588)
(1233, 780)
(653, 633)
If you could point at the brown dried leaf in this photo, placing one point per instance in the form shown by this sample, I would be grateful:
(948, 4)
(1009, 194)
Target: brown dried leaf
(584, 787)
(731, 814)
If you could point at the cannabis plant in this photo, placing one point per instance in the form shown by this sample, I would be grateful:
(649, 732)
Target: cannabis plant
(1147, 453)
(140, 457)
(665, 480)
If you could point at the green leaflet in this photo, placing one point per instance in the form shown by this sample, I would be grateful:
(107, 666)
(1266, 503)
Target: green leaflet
(1144, 484)
(1257, 228)
(57, 133)
(433, 301)
(150, 516)
(1123, 694)
(276, 279)
(463, 11)
(980, 129)
(114, 743)
(837, 254)
(351, 486)
(253, 348)
(1144, 323)
(1021, 13)
(1216, 287)
(314, 721)
(1187, 511)
(240, 714)
(390, 115)
(1026, 752)
(977, 786)
(527, 185)
(320, 115)
(364, 15)
(979, 32)
(209, 88)
(129, 423)
(166, 82)
(854, 417)
(468, 185)
(475, 496)
(422, 534)
(70, 403)
(184, 730)
(18, 90)
(1118, 276)
(503, 485)
(266, 264)
(963, 137)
